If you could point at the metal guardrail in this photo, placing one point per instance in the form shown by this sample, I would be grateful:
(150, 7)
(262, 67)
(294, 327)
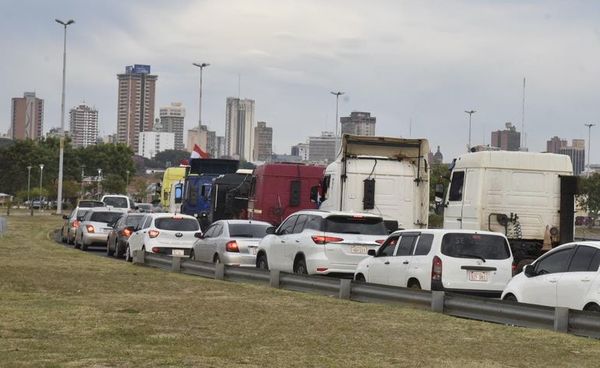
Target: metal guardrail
(490, 310)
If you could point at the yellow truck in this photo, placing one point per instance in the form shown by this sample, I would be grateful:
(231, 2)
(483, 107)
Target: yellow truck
(171, 175)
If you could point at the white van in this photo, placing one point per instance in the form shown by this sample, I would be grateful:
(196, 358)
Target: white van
(465, 261)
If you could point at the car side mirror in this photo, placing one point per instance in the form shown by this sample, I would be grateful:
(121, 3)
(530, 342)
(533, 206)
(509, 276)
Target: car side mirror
(199, 235)
(371, 252)
(270, 230)
(529, 270)
(65, 217)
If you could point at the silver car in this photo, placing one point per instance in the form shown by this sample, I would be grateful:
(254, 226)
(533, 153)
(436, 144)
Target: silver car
(95, 227)
(231, 242)
(71, 224)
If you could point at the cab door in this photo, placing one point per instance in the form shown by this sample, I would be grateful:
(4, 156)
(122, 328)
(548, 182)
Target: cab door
(453, 212)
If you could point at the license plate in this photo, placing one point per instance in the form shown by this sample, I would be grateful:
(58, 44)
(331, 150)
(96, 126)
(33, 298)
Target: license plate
(178, 252)
(478, 276)
(359, 249)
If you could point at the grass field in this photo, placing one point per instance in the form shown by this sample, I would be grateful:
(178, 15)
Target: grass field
(61, 307)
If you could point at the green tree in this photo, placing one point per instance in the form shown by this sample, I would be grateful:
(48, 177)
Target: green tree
(113, 183)
(589, 198)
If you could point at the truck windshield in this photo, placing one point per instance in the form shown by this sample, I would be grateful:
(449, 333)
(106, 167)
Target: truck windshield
(365, 225)
(480, 246)
(177, 224)
(247, 230)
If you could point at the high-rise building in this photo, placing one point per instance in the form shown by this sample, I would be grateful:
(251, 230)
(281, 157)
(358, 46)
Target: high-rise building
(239, 132)
(27, 117)
(152, 143)
(358, 123)
(301, 150)
(577, 153)
(220, 146)
(206, 140)
(508, 139)
(263, 142)
(555, 144)
(83, 125)
(137, 88)
(171, 121)
(322, 149)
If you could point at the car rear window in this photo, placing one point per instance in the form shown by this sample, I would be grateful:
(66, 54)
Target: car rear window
(176, 224)
(81, 214)
(247, 230)
(475, 246)
(90, 204)
(135, 221)
(365, 225)
(118, 202)
(107, 217)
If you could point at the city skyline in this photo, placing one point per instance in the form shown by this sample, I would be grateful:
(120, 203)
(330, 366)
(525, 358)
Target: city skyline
(417, 71)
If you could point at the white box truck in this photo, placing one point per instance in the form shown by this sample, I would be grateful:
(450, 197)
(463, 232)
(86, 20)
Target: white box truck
(380, 175)
(527, 196)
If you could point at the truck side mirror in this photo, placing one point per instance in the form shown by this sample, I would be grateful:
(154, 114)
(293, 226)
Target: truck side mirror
(314, 194)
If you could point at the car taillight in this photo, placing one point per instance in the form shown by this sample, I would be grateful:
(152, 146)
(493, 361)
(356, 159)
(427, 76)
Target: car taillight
(153, 233)
(90, 228)
(76, 223)
(380, 241)
(320, 239)
(436, 269)
(514, 268)
(126, 233)
(232, 246)
(155, 250)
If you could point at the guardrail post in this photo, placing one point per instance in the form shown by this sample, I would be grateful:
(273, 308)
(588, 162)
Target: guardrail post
(274, 279)
(561, 319)
(219, 271)
(437, 301)
(176, 264)
(345, 285)
(139, 257)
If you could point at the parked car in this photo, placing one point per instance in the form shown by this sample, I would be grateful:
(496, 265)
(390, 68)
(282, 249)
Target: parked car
(119, 202)
(118, 237)
(321, 242)
(71, 224)
(465, 261)
(567, 276)
(144, 207)
(232, 242)
(95, 227)
(164, 233)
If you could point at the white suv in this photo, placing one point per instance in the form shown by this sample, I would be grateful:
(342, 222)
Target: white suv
(567, 276)
(119, 202)
(466, 261)
(320, 242)
(164, 233)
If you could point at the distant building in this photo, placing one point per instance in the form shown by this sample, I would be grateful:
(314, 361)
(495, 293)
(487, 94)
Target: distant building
(508, 139)
(285, 158)
(83, 121)
(107, 139)
(220, 146)
(301, 150)
(436, 158)
(239, 132)
(577, 153)
(135, 113)
(206, 140)
(263, 142)
(152, 143)
(555, 144)
(358, 123)
(322, 149)
(27, 117)
(171, 121)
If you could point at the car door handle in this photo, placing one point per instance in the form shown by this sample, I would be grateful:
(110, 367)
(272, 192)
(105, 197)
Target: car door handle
(405, 262)
(553, 281)
(297, 241)
(386, 262)
(586, 280)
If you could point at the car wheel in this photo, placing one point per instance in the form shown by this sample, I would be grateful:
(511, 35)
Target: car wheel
(261, 262)
(510, 298)
(109, 252)
(118, 252)
(300, 267)
(360, 278)
(414, 284)
(128, 254)
(192, 255)
(592, 307)
(83, 245)
(75, 244)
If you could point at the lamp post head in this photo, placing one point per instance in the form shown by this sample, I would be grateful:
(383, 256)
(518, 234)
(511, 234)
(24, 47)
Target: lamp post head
(470, 111)
(29, 167)
(337, 93)
(41, 166)
(202, 65)
(65, 24)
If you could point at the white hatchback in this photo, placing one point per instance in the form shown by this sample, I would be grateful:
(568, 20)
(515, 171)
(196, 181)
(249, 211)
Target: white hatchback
(164, 233)
(321, 242)
(466, 261)
(567, 276)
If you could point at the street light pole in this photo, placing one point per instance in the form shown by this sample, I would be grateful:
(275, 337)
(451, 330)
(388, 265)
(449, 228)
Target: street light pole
(82, 175)
(28, 183)
(98, 182)
(62, 119)
(41, 176)
(127, 182)
(470, 112)
(337, 104)
(201, 66)
(589, 125)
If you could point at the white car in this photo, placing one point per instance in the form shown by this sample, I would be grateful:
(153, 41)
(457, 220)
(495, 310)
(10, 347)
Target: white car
(466, 261)
(321, 242)
(119, 202)
(95, 227)
(231, 242)
(164, 233)
(567, 276)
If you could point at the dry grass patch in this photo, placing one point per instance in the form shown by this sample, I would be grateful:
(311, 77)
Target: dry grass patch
(64, 307)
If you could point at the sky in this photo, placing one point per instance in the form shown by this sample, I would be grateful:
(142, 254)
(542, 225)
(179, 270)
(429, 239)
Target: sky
(415, 65)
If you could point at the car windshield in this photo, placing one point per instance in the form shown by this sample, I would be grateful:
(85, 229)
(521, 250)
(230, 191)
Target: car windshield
(107, 217)
(365, 225)
(177, 224)
(118, 202)
(247, 230)
(135, 221)
(475, 246)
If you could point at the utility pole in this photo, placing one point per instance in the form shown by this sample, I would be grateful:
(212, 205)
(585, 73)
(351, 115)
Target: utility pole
(337, 104)
(201, 66)
(470, 112)
(589, 125)
(41, 176)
